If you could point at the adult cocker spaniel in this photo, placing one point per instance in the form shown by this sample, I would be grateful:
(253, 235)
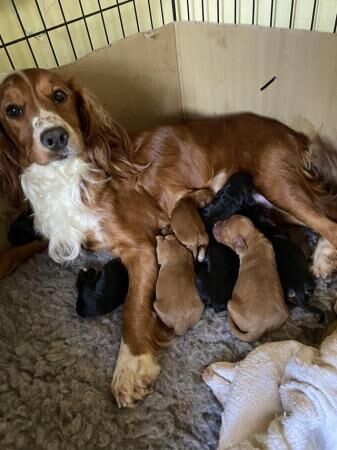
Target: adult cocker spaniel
(92, 184)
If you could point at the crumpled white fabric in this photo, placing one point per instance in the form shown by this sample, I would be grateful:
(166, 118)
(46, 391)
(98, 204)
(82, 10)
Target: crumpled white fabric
(282, 396)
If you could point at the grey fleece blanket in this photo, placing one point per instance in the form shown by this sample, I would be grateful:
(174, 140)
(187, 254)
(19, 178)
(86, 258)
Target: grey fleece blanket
(56, 369)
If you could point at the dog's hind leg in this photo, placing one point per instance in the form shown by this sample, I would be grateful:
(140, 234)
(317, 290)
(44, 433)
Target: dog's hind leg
(288, 192)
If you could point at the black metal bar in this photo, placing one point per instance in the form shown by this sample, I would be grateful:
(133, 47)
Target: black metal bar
(45, 29)
(136, 15)
(162, 12)
(271, 13)
(291, 13)
(235, 21)
(66, 22)
(67, 28)
(253, 13)
(7, 53)
(218, 11)
(103, 21)
(202, 10)
(120, 18)
(151, 21)
(86, 24)
(174, 11)
(188, 10)
(335, 27)
(313, 15)
(24, 32)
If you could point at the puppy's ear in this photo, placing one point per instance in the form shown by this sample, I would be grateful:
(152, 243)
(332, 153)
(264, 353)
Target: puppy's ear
(239, 245)
(10, 170)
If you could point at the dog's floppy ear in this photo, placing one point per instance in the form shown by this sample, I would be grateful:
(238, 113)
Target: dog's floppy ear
(239, 245)
(10, 170)
(106, 141)
(91, 114)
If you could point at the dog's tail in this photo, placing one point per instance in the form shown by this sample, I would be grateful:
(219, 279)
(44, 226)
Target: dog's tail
(322, 170)
(323, 162)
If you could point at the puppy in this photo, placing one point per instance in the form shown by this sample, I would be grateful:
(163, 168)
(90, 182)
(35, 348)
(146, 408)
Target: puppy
(186, 224)
(177, 301)
(217, 275)
(22, 231)
(297, 282)
(103, 291)
(257, 304)
(26, 242)
(218, 272)
(236, 194)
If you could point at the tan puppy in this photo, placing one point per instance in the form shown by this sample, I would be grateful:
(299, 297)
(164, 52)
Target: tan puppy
(257, 303)
(178, 304)
(186, 222)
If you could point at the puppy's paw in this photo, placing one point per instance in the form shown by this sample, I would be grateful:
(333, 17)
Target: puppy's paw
(133, 377)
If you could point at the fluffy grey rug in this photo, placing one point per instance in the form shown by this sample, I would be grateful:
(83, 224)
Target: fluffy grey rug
(56, 369)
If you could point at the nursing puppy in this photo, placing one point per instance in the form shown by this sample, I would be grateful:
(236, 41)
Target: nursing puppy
(257, 304)
(177, 301)
(103, 291)
(186, 222)
(297, 282)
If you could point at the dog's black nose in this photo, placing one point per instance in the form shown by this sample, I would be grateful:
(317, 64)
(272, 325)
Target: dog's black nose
(54, 138)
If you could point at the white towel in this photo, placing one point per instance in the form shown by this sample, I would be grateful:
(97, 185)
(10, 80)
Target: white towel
(282, 396)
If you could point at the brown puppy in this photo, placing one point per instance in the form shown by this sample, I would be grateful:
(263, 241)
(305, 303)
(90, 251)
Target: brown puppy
(178, 304)
(186, 222)
(257, 303)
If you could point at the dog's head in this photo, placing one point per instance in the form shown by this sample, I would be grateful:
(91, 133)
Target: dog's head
(44, 118)
(41, 117)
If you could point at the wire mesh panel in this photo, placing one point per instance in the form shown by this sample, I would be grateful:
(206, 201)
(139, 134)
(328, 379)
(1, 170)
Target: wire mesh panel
(47, 33)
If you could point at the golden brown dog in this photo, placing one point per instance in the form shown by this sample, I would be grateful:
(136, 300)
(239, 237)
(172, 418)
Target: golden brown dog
(92, 184)
(177, 301)
(257, 304)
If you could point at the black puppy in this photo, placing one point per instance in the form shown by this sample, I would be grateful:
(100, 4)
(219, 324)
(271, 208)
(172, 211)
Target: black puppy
(103, 291)
(217, 274)
(21, 231)
(235, 195)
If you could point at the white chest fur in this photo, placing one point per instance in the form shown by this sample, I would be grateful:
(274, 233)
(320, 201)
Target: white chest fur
(60, 215)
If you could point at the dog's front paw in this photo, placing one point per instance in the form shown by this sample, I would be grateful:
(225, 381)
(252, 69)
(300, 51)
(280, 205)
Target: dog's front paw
(133, 377)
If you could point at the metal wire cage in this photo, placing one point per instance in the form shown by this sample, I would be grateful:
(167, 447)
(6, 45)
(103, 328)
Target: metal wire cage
(47, 33)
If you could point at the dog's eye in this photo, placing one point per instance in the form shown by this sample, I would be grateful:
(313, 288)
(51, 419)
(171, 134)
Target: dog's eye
(14, 111)
(59, 96)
